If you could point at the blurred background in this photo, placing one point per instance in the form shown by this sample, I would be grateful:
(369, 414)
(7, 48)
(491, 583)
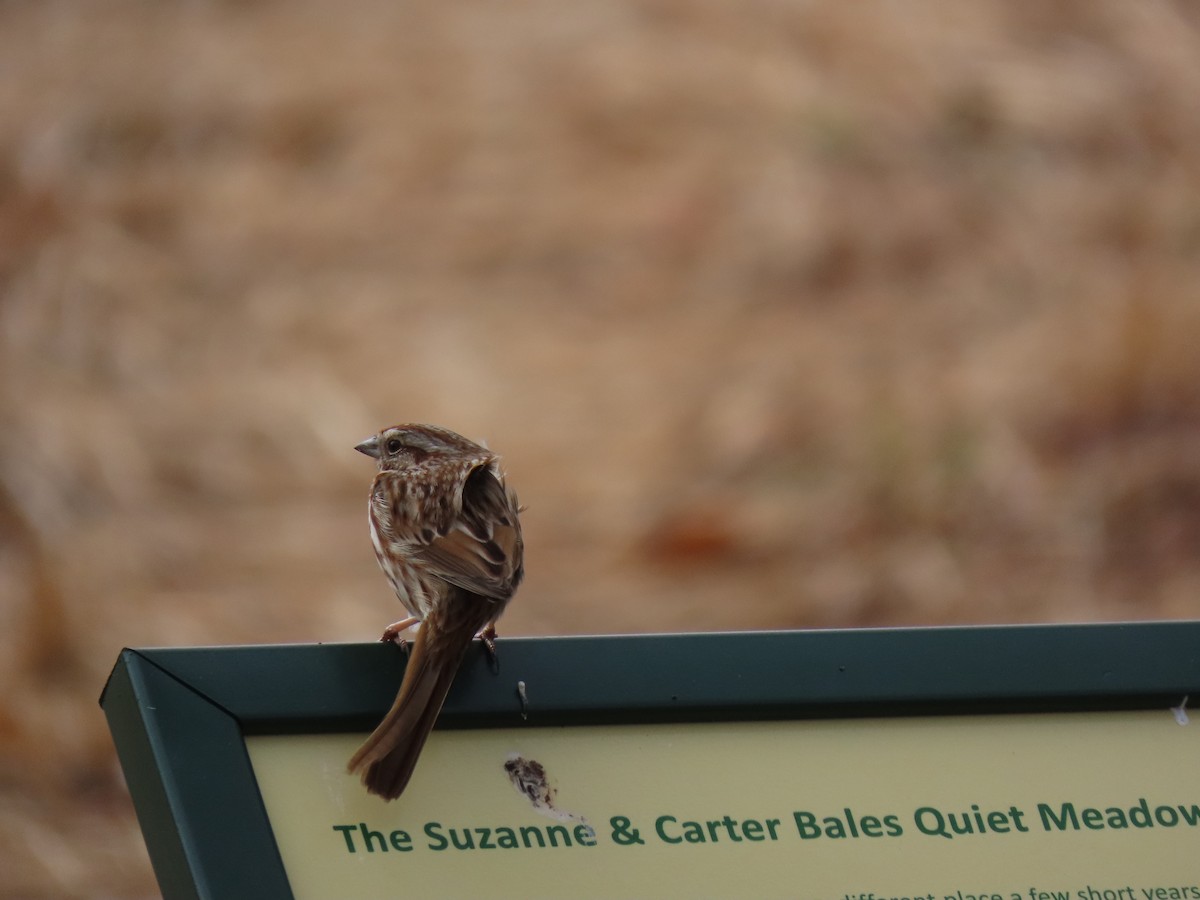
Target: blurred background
(783, 314)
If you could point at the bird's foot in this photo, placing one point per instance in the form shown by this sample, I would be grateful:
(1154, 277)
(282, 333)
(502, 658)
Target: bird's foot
(488, 636)
(391, 634)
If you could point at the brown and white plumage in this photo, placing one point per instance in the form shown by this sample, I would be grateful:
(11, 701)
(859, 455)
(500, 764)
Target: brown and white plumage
(447, 535)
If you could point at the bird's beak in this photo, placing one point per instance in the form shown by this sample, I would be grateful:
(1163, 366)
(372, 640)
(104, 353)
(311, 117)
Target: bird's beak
(370, 446)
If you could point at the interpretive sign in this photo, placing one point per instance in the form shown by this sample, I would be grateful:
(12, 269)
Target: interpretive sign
(1020, 763)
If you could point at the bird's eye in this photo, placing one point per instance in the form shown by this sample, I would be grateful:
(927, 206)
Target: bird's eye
(393, 445)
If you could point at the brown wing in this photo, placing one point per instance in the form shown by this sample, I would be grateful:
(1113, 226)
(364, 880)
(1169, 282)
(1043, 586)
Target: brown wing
(482, 551)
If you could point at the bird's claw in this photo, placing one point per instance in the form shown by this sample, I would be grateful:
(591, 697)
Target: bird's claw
(391, 634)
(488, 636)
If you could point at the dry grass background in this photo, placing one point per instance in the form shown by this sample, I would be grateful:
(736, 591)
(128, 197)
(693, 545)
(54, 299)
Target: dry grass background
(783, 314)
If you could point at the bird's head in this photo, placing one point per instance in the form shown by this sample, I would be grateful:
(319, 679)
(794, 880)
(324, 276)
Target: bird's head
(405, 446)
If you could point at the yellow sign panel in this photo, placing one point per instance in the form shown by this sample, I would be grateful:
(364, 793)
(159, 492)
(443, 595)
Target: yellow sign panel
(1081, 806)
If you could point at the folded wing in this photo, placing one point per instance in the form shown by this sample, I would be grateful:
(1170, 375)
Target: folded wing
(481, 551)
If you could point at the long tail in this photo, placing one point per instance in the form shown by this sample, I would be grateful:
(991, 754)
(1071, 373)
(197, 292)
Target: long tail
(387, 758)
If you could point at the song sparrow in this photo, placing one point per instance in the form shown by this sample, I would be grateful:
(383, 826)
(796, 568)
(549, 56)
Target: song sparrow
(447, 536)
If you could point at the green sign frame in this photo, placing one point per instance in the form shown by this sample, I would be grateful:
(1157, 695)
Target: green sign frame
(179, 716)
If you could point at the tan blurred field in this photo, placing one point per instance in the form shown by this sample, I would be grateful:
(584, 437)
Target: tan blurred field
(783, 314)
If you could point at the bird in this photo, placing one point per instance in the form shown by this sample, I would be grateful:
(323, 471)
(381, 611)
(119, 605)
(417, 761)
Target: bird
(447, 534)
